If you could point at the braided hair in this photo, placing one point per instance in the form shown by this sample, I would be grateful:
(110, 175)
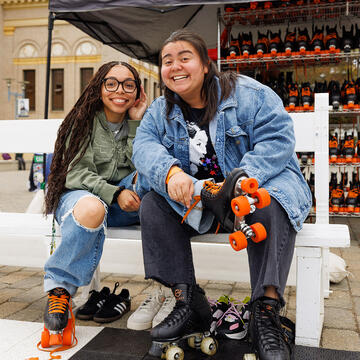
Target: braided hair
(75, 132)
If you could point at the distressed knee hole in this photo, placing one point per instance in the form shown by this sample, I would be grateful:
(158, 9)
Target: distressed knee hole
(89, 212)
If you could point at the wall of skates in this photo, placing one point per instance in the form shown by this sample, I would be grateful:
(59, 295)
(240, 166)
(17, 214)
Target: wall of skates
(298, 48)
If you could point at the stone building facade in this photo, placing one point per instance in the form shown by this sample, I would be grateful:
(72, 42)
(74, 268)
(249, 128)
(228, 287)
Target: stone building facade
(75, 57)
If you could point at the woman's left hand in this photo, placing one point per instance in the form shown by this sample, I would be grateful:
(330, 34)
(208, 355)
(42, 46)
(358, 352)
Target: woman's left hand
(137, 111)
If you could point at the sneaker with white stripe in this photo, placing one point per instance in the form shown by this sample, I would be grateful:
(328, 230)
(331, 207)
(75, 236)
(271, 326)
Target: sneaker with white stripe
(142, 317)
(94, 303)
(114, 307)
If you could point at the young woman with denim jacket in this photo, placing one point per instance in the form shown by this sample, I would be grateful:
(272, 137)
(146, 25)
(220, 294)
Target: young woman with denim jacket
(91, 183)
(247, 132)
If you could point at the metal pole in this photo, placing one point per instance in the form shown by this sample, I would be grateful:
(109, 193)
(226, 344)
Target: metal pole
(48, 63)
(218, 39)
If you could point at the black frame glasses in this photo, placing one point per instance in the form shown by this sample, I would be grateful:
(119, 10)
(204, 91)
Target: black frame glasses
(122, 84)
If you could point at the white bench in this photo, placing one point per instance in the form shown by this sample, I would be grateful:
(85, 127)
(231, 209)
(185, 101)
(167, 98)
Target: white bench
(25, 238)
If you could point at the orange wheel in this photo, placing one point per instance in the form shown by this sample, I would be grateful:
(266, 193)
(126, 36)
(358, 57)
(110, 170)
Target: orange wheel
(263, 198)
(249, 185)
(67, 337)
(240, 206)
(45, 338)
(238, 241)
(260, 232)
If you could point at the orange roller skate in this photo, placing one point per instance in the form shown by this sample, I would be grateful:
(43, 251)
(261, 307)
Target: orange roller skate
(246, 203)
(59, 329)
(231, 201)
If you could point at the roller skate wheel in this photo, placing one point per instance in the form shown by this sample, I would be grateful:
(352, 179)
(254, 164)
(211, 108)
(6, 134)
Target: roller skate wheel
(174, 353)
(192, 342)
(250, 357)
(238, 240)
(209, 346)
(67, 337)
(262, 197)
(249, 185)
(45, 339)
(259, 231)
(240, 206)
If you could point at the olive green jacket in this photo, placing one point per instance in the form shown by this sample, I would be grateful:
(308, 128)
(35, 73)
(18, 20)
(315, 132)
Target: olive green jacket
(105, 162)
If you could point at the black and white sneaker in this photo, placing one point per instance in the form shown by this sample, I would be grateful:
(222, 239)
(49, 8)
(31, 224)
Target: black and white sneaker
(94, 303)
(114, 307)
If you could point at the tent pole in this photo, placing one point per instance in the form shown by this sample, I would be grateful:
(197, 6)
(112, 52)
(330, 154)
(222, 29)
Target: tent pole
(48, 62)
(218, 39)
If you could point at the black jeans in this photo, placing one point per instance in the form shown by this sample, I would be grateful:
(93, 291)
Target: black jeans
(168, 255)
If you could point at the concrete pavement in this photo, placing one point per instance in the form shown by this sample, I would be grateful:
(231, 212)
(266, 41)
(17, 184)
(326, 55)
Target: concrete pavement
(22, 297)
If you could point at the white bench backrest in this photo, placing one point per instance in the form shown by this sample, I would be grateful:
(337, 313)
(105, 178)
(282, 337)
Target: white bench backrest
(311, 133)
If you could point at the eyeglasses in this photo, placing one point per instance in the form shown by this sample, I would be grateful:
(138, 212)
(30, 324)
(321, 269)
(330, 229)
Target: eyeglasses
(112, 84)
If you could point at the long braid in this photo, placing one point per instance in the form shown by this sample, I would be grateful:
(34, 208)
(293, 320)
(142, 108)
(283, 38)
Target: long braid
(75, 132)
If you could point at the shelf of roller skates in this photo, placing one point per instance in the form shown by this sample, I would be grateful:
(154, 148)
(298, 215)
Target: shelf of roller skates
(316, 57)
(278, 12)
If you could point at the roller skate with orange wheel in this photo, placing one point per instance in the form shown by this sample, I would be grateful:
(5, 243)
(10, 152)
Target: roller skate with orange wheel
(59, 327)
(248, 198)
(230, 201)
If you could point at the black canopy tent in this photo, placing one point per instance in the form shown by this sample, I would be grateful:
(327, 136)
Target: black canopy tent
(137, 28)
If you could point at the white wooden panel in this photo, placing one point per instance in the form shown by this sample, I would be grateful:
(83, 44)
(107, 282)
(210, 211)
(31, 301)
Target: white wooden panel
(28, 136)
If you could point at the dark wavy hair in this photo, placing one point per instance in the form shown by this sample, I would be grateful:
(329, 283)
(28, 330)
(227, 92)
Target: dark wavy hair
(209, 90)
(75, 131)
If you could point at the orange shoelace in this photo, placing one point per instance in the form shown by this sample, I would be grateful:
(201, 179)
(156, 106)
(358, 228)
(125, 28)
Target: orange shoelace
(293, 93)
(58, 304)
(333, 143)
(263, 40)
(353, 193)
(305, 91)
(276, 40)
(349, 143)
(211, 187)
(302, 38)
(246, 42)
(317, 36)
(337, 193)
(330, 36)
(290, 37)
(350, 90)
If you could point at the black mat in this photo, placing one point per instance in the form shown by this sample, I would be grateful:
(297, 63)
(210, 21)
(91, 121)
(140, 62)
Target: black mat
(120, 344)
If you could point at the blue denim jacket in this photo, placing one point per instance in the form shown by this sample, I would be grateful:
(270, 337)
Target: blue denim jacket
(251, 130)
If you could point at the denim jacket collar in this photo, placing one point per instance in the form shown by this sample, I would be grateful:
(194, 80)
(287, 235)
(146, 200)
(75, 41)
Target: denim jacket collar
(231, 101)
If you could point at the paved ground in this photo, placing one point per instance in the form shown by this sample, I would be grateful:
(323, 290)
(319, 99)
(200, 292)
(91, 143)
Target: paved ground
(22, 297)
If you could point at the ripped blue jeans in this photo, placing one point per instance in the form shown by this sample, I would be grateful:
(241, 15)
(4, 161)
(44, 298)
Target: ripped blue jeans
(74, 261)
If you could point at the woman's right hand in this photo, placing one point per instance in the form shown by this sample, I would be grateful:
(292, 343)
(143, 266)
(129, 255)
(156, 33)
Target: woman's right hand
(128, 201)
(181, 188)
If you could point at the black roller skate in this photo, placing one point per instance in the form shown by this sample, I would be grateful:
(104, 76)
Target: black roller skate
(231, 201)
(276, 45)
(247, 47)
(303, 40)
(290, 42)
(334, 94)
(59, 329)
(347, 40)
(331, 39)
(317, 41)
(262, 45)
(190, 320)
(269, 338)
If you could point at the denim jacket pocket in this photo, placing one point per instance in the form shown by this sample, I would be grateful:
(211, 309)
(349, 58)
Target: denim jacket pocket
(236, 143)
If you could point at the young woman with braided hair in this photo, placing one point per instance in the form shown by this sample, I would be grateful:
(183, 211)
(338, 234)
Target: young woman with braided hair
(92, 183)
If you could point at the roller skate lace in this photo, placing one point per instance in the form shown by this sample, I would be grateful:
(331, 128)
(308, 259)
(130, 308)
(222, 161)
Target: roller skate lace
(210, 187)
(58, 301)
(271, 327)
